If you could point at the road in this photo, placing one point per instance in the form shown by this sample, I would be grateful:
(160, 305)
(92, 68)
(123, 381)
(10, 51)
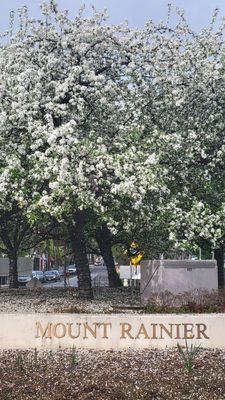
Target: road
(98, 276)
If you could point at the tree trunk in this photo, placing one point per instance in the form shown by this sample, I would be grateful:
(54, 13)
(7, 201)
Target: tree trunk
(80, 257)
(219, 256)
(13, 273)
(103, 238)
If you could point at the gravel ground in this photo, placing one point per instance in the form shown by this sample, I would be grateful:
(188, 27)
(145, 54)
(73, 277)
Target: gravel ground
(111, 375)
(61, 300)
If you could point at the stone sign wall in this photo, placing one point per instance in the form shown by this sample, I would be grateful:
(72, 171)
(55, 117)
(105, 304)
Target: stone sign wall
(106, 331)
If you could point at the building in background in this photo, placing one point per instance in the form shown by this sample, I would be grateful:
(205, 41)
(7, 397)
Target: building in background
(25, 267)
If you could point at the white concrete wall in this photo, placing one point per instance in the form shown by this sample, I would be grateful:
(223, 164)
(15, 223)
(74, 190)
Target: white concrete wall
(177, 276)
(127, 271)
(25, 265)
(121, 331)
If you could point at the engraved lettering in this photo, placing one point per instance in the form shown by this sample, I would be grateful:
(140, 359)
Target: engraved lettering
(70, 334)
(106, 325)
(126, 330)
(43, 332)
(142, 331)
(154, 333)
(177, 331)
(201, 328)
(89, 329)
(59, 330)
(167, 331)
(188, 331)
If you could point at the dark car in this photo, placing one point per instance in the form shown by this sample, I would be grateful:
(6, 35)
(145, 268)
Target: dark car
(57, 274)
(50, 276)
(39, 275)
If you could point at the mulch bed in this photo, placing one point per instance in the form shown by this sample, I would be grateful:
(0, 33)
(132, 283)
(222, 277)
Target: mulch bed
(108, 300)
(110, 375)
(57, 300)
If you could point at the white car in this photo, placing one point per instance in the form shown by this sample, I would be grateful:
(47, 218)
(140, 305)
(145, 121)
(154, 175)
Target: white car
(24, 279)
(72, 269)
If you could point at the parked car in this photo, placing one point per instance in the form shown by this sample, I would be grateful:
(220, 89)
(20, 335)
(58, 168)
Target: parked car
(24, 279)
(57, 274)
(39, 275)
(62, 271)
(72, 269)
(51, 276)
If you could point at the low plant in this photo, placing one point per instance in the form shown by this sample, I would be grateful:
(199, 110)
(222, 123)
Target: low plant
(196, 301)
(74, 360)
(35, 355)
(162, 309)
(188, 353)
(19, 362)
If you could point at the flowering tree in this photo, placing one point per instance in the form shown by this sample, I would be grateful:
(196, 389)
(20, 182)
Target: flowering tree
(108, 124)
(16, 184)
(186, 73)
(71, 102)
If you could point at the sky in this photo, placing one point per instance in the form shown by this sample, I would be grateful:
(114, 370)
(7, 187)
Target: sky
(137, 12)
